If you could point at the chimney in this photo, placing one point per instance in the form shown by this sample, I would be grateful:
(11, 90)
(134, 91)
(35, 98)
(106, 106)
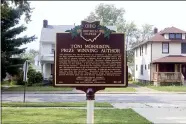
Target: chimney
(155, 30)
(45, 23)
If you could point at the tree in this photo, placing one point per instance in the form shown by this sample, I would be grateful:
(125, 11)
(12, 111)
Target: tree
(10, 30)
(129, 29)
(23, 4)
(146, 32)
(30, 55)
(107, 14)
(92, 17)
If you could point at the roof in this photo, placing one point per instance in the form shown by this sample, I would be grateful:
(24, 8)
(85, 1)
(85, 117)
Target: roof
(172, 30)
(171, 59)
(49, 34)
(158, 37)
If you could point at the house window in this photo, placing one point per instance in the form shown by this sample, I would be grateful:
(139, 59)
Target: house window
(175, 36)
(53, 48)
(145, 67)
(141, 69)
(52, 69)
(183, 48)
(142, 50)
(37, 63)
(165, 47)
(171, 36)
(148, 66)
(178, 36)
(136, 52)
(136, 67)
(146, 49)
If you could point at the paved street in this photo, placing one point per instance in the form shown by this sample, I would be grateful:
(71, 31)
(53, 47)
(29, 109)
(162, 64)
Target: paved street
(158, 108)
(112, 98)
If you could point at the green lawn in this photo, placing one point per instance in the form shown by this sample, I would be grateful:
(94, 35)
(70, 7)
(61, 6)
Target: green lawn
(128, 89)
(37, 88)
(169, 88)
(53, 104)
(66, 116)
(141, 84)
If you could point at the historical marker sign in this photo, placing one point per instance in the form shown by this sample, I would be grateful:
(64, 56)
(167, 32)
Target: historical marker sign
(90, 55)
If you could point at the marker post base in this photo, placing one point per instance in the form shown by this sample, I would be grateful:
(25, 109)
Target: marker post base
(90, 97)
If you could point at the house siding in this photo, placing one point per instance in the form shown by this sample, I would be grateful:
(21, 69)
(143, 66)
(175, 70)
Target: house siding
(183, 36)
(174, 49)
(46, 49)
(145, 59)
(166, 36)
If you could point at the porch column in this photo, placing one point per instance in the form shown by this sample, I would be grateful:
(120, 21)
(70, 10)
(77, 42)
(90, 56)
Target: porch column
(157, 67)
(42, 69)
(157, 83)
(176, 68)
(180, 67)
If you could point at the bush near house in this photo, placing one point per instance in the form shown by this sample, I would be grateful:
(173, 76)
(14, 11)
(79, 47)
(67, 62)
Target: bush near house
(129, 77)
(34, 77)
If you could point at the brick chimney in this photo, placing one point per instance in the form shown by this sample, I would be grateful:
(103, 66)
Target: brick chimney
(155, 30)
(45, 23)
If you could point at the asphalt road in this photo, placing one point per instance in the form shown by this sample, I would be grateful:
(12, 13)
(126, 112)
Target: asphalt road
(112, 98)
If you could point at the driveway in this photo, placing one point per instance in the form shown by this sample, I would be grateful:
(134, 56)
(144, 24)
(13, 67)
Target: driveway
(141, 89)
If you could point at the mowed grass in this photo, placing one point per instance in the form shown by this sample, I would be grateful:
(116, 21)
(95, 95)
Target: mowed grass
(66, 116)
(38, 88)
(169, 88)
(53, 104)
(127, 89)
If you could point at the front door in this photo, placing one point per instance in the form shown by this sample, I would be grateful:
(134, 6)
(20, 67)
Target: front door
(184, 70)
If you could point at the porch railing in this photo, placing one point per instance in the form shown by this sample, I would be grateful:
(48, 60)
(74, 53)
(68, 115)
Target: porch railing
(167, 77)
(182, 79)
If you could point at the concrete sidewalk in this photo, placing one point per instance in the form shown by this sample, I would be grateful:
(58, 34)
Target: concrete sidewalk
(163, 115)
(158, 113)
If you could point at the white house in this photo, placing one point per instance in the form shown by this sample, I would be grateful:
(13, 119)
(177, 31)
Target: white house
(162, 58)
(47, 46)
(37, 64)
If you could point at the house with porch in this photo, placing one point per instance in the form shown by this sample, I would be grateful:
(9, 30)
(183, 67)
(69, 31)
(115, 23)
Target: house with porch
(47, 46)
(162, 59)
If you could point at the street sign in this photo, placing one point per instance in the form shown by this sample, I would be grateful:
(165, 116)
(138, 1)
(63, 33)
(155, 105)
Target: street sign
(25, 71)
(90, 55)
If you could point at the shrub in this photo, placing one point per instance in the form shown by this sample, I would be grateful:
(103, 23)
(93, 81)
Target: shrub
(129, 76)
(20, 78)
(38, 77)
(34, 77)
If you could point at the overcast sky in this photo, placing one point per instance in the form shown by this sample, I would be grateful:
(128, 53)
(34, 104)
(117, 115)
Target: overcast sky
(161, 14)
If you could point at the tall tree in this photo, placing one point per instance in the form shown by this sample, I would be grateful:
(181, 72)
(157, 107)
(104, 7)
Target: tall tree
(30, 55)
(107, 14)
(92, 17)
(10, 40)
(146, 32)
(129, 29)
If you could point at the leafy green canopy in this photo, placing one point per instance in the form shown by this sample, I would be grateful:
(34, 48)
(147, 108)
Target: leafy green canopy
(10, 40)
